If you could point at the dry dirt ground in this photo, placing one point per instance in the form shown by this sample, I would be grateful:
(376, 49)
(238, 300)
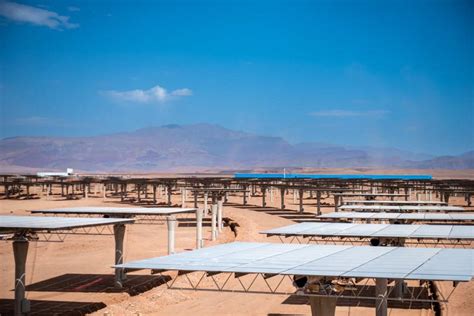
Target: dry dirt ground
(92, 256)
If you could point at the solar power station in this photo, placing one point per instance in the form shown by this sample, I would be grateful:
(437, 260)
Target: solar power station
(375, 247)
(24, 229)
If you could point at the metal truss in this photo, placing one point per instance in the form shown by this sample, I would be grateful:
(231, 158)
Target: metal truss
(416, 243)
(151, 219)
(343, 288)
(61, 234)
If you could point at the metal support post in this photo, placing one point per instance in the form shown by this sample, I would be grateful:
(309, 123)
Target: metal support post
(199, 240)
(119, 234)
(213, 221)
(20, 252)
(220, 210)
(169, 194)
(171, 222)
(282, 195)
(318, 203)
(381, 297)
(301, 192)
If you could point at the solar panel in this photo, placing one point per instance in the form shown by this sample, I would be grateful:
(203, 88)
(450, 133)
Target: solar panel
(331, 176)
(9, 223)
(402, 208)
(374, 230)
(419, 216)
(117, 210)
(395, 202)
(371, 194)
(320, 260)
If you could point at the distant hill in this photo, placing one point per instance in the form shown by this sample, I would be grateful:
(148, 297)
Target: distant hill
(464, 161)
(199, 147)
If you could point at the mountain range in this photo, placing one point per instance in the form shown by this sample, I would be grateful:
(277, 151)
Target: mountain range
(200, 147)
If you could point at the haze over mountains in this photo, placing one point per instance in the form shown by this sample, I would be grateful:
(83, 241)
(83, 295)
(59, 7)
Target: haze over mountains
(203, 147)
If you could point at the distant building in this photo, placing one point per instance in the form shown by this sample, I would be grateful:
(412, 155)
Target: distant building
(69, 172)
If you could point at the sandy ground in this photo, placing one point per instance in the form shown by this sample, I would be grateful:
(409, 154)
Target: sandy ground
(94, 255)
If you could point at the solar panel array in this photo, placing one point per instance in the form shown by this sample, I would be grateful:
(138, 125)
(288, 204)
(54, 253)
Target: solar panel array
(379, 202)
(117, 210)
(332, 176)
(419, 216)
(402, 208)
(320, 260)
(370, 194)
(36, 223)
(452, 232)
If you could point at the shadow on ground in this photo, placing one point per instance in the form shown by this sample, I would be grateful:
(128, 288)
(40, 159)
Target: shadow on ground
(369, 291)
(95, 283)
(57, 308)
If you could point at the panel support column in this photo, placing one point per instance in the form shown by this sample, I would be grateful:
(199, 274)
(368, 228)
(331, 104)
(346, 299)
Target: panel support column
(139, 192)
(20, 252)
(169, 189)
(119, 234)
(301, 192)
(264, 196)
(213, 221)
(318, 203)
(183, 197)
(336, 202)
(171, 222)
(195, 199)
(381, 294)
(282, 195)
(220, 210)
(199, 241)
(206, 197)
(322, 306)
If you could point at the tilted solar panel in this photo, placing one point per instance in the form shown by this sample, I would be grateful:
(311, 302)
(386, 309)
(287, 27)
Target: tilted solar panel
(320, 260)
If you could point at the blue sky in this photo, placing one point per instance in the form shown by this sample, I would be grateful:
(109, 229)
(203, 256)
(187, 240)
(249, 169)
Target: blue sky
(377, 73)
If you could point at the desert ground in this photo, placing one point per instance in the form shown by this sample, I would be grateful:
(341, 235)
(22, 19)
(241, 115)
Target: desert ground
(51, 265)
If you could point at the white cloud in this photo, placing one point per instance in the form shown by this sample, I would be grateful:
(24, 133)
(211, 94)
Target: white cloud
(33, 15)
(73, 9)
(157, 94)
(182, 92)
(349, 113)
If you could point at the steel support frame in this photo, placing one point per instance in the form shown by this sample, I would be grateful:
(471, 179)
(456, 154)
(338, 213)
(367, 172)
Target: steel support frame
(221, 282)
